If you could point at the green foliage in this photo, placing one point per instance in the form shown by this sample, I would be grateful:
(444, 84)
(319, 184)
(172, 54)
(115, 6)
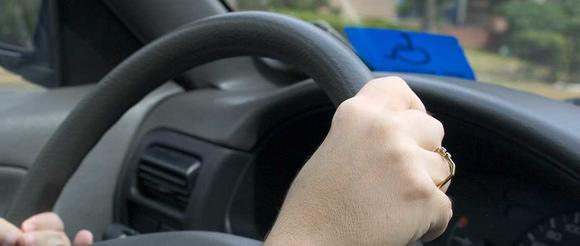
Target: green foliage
(415, 7)
(291, 4)
(18, 20)
(571, 7)
(339, 23)
(543, 47)
(545, 32)
(573, 34)
(532, 15)
(317, 10)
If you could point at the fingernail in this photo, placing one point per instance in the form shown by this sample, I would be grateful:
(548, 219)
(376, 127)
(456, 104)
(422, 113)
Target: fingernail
(28, 227)
(29, 240)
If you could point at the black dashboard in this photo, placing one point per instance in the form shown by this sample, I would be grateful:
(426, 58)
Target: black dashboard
(507, 192)
(502, 194)
(517, 155)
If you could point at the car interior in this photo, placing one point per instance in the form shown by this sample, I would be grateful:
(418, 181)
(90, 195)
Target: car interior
(185, 123)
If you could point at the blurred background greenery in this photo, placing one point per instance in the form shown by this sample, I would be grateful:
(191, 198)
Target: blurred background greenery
(18, 19)
(530, 45)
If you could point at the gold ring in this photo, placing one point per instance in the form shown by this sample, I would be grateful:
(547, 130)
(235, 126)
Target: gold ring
(443, 153)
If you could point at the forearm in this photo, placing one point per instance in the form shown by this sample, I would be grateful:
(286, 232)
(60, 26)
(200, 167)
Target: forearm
(303, 223)
(288, 233)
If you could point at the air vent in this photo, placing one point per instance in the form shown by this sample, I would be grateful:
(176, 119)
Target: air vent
(167, 175)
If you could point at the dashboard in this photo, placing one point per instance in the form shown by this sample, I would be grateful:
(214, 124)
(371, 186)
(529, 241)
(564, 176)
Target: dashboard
(495, 209)
(517, 173)
(505, 193)
(505, 196)
(501, 196)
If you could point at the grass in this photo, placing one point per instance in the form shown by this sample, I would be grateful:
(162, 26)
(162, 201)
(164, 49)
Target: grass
(551, 91)
(517, 74)
(338, 23)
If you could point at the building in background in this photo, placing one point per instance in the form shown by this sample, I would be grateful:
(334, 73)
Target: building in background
(366, 9)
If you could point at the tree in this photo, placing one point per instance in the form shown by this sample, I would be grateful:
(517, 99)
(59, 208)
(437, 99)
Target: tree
(545, 33)
(283, 4)
(429, 15)
(18, 19)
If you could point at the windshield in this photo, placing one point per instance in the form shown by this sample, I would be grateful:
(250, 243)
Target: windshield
(19, 25)
(530, 45)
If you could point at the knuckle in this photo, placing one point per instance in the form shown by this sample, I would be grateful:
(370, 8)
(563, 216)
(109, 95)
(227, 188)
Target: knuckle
(386, 126)
(438, 125)
(349, 106)
(396, 80)
(353, 108)
(394, 123)
(386, 83)
(343, 112)
(54, 218)
(49, 220)
(389, 80)
(399, 153)
(419, 188)
(399, 83)
(427, 119)
(376, 82)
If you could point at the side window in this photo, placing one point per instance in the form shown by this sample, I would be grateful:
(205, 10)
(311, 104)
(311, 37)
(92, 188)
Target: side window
(25, 38)
(19, 20)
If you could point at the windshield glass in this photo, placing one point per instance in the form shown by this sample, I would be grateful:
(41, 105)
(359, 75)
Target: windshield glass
(19, 20)
(529, 45)
(19, 36)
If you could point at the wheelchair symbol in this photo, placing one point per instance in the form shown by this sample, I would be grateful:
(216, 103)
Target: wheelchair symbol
(409, 53)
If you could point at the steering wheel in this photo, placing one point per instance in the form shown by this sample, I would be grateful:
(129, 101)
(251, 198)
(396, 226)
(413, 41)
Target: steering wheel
(334, 67)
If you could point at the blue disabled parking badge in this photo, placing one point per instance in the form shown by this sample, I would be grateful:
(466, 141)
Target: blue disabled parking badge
(414, 52)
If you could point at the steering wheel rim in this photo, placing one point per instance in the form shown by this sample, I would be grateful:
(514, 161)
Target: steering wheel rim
(336, 69)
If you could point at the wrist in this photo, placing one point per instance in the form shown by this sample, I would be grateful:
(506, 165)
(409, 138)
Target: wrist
(301, 229)
(285, 235)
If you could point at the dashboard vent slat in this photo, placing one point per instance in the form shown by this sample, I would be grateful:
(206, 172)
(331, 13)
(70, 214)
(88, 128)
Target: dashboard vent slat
(145, 167)
(166, 175)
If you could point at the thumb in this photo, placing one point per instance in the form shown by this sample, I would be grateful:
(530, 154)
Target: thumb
(83, 238)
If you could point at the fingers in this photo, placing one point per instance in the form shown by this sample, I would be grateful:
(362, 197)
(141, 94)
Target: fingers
(54, 238)
(83, 238)
(44, 238)
(441, 206)
(9, 233)
(436, 166)
(43, 221)
(44, 229)
(443, 212)
(427, 131)
(393, 93)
